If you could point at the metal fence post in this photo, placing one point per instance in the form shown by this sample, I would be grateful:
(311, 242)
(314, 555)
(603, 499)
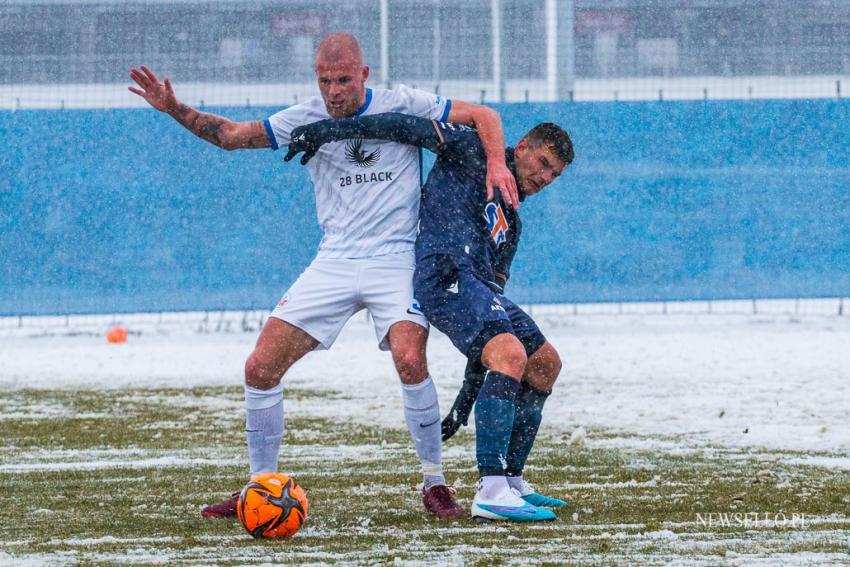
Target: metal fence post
(385, 43)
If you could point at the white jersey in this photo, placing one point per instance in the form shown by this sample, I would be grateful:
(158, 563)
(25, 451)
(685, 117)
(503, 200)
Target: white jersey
(367, 191)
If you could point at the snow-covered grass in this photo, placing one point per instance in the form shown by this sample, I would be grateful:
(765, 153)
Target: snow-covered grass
(685, 437)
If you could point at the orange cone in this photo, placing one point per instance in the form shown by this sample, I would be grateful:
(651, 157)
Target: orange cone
(117, 335)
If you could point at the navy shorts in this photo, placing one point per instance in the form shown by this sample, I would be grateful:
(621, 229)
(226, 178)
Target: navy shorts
(468, 310)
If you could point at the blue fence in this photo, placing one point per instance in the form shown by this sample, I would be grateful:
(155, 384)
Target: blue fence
(122, 210)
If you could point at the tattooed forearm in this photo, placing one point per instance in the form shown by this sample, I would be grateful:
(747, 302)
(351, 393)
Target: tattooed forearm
(257, 137)
(203, 125)
(208, 127)
(220, 131)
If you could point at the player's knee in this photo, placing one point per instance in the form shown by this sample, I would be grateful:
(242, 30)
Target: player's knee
(508, 357)
(551, 369)
(261, 375)
(543, 368)
(552, 364)
(516, 359)
(411, 366)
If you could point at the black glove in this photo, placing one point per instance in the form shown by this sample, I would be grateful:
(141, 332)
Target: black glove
(309, 138)
(473, 377)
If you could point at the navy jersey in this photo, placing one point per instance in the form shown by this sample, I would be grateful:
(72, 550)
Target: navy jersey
(455, 216)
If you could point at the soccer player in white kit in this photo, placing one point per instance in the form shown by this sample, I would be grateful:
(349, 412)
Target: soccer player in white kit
(367, 200)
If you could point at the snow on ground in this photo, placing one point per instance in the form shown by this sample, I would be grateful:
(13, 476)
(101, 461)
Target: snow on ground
(686, 380)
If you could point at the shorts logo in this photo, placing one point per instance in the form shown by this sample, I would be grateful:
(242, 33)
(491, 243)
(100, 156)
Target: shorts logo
(454, 288)
(358, 156)
(496, 222)
(284, 300)
(414, 309)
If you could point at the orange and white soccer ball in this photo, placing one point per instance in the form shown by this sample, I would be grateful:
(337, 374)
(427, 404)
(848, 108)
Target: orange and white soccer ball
(272, 505)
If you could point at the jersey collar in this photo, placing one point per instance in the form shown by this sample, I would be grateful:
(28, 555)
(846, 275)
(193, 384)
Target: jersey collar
(365, 104)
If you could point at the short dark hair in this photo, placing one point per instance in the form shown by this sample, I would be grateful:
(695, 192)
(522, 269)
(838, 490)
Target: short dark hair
(553, 136)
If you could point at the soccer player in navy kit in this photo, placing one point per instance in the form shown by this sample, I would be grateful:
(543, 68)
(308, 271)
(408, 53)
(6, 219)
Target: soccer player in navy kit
(467, 240)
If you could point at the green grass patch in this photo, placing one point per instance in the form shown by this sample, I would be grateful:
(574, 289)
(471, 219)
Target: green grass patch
(118, 477)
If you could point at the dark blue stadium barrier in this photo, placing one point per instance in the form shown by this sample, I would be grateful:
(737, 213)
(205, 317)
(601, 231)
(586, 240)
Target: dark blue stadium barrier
(123, 211)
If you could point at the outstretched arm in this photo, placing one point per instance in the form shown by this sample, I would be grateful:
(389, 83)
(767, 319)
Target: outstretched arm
(489, 126)
(390, 126)
(216, 130)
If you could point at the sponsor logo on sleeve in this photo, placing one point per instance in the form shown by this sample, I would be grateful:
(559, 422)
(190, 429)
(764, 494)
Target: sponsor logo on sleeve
(497, 223)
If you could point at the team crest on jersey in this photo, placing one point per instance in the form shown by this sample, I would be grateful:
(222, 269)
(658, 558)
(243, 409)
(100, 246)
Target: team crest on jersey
(497, 223)
(358, 156)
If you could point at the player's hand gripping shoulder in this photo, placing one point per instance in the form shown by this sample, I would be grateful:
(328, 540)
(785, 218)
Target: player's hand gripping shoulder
(499, 176)
(489, 126)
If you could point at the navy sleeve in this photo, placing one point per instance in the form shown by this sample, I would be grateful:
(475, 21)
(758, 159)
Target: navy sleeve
(389, 126)
(438, 137)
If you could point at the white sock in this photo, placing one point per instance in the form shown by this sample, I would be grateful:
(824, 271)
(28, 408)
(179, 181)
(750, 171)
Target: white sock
(492, 487)
(264, 427)
(422, 413)
(515, 481)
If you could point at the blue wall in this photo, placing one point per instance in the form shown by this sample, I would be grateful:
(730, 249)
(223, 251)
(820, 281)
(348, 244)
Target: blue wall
(122, 210)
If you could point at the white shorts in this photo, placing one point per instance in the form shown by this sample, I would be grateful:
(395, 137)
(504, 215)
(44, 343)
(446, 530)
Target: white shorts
(331, 290)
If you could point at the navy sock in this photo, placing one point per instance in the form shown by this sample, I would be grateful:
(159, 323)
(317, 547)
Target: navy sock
(494, 421)
(529, 413)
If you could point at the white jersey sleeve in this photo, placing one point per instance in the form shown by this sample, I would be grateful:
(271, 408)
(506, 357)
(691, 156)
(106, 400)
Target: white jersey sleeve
(419, 103)
(280, 125)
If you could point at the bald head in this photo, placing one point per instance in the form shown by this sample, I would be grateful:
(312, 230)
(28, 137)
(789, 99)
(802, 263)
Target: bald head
(338, 48)
(341, 74)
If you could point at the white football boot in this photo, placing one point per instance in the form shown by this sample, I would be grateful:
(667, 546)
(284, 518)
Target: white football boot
(530, 495)
(505, 504)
